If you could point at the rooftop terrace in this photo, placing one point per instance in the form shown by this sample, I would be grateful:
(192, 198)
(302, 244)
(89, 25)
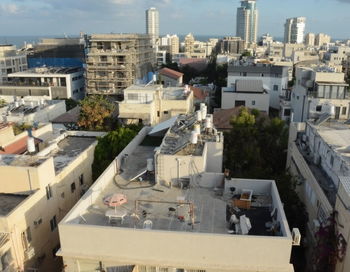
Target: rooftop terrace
(187, 208)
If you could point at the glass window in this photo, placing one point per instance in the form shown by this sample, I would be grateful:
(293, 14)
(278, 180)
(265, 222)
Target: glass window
(275, 87)
(319, 108)
(72, 187)
(53, 223)
(343, 111)
(81, 179)
(133, 96)
(287, 112)
(253, 102)
(48, 191)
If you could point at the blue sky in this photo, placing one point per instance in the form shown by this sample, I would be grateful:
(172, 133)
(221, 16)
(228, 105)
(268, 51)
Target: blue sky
(201, 17)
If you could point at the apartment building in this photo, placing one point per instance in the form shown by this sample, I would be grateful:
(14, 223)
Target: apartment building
(42, 176)
(318, 90)
(310, 39)
(247, 21)
(152, 24)
(336, 55)
(274, 78)
(247, 93)
(30, 111)
(322, 39)
(58, 52)
(179, 212)
(318, 157)
(231, 45)
(46, 82)
(116, 61)
(294, 30)
(152, 104)
(11, 61)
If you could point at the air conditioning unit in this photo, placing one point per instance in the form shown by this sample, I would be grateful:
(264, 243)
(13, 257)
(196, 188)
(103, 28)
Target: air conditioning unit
(296, 237)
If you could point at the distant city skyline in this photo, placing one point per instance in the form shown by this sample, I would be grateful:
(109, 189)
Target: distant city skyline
(56, 17)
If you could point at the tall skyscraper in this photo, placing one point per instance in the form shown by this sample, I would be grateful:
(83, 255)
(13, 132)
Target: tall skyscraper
(247, 21)
(152, 23)
(294, 30)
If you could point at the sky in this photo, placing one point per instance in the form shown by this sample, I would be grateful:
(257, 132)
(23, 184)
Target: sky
(201, 17)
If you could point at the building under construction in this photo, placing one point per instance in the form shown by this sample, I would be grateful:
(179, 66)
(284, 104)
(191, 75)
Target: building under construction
(116, 61)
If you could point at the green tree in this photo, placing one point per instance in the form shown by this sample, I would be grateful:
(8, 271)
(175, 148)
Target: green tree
(110, 146)
(95, 111)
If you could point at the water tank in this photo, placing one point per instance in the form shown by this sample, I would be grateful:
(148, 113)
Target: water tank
(199, 115)
(22, 101)
(197, 128)
(208, 123)
(16, 104)
(150, 166)
(202, 105)
(194, 137)
(204, 112)
(31, 145)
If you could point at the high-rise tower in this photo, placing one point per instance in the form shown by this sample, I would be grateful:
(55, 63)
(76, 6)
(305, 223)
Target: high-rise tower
(152, 23)
(247, 21)
(294, 30)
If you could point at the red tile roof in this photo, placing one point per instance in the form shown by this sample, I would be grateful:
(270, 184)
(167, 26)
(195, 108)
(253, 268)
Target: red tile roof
(199, 93)
(170, 73)
(18, 147)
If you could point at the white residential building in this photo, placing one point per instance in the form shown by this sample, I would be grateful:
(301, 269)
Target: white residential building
(247, 21)
(319, 90)
(11, 61)
(274, 78)
(294, 30)
(153, 104)
(29, 110)
(322, 39)
(318, 157)
(336, 55)
(247, 93)
(42, 177)
(46, 82)
(310, 39)
(152, 24)
(177, 211)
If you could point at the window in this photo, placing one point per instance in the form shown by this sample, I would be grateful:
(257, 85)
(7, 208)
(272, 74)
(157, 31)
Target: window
(103, 58)
(275, 87)
(244, 74)
(6, 259)
(133, 96)
(166, 112)
(53, 223)
(158, 113)
(48, 192)
(81, 179)
(239, 103)
(253, 102)
(297, 97)
(332, 160)
(343, 111)
(319, 108)
(287, 112)
(72, 187)
(26, 238)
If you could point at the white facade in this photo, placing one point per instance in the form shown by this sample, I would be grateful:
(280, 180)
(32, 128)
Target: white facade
(294, 30)
(50, 82)
(322, 39)
(310, 39)
(11, 61)
(274, 78)
(254, 98)
(319, 90)
(247, 21)
(152, 23)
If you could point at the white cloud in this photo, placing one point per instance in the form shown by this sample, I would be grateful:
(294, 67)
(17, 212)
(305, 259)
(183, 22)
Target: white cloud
(9, 8)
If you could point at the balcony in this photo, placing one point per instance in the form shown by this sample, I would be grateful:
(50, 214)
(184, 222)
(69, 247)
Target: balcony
(324, 181)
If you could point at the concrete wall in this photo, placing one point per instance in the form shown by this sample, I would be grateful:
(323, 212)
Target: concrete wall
(6, 135)
(254, 101)
(215, 156)
(281, 82)
(175, 249)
